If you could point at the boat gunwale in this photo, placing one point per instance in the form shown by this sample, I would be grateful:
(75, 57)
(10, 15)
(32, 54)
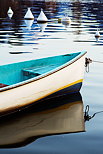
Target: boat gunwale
(45, 74)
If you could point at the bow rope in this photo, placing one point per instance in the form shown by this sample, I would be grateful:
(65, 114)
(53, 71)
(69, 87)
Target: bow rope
(88, 61)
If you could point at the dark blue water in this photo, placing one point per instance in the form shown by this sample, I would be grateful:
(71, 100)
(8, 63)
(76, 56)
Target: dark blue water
(22, 134)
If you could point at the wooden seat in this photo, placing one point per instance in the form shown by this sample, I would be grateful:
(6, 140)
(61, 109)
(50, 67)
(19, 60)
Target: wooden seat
(39, 70)
(29, 72)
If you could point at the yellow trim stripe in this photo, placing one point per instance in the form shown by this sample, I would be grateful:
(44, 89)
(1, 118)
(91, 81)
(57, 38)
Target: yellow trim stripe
(13, 108)
(73, 83)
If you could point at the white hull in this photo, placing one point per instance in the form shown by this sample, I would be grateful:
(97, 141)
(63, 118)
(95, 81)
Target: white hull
(44, 86)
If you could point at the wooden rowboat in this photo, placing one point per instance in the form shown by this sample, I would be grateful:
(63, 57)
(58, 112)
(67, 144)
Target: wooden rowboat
(24, 83)
(59, 115)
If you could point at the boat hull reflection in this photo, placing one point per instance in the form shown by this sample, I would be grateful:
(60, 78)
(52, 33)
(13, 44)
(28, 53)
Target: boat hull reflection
(66, 116)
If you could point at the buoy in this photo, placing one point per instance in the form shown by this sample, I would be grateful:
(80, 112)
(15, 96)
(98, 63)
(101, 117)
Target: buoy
(42, 17)
(59, 20)
(97, 34)
(66, 21)
(29, 15)
(10, 12)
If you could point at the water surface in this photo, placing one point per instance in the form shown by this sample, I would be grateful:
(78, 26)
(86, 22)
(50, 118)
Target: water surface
(32, 40)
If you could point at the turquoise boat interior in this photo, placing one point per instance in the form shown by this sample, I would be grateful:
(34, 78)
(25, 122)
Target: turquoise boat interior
(19, 72)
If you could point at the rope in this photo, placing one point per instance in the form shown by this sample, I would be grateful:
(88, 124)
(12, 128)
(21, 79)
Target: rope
(87, 117)
(88, 61)
(97, 61)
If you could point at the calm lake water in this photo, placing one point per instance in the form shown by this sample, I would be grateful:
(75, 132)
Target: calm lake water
(60, 129)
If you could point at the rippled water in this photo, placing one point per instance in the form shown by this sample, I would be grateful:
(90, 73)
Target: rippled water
(20, 41)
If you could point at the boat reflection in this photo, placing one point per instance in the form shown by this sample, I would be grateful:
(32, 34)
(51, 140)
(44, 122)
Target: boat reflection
(53, 116)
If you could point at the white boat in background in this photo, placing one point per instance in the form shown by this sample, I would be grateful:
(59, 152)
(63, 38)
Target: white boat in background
(29, 15)
(63, 115)
(42, 17)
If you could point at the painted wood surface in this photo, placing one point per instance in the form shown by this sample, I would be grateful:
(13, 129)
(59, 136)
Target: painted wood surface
(34, 89)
